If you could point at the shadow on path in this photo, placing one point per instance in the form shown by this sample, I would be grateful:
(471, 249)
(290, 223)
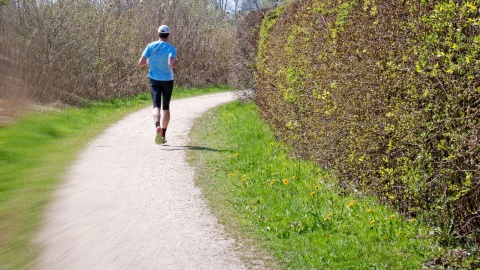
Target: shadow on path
(167, 147)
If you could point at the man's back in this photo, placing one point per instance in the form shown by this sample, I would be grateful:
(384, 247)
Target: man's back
(158, 53)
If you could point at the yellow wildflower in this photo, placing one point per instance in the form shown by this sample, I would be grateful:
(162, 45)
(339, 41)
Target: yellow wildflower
(392, 216)
(285, 182)
(316, 186)
(319, 170)
(312, 193)
(232, 174)
(351, 204)
(272, 182)
(236, 154)
(243, 181)
(369, 210)
(373, 221)
(293, 177)
(327, 218)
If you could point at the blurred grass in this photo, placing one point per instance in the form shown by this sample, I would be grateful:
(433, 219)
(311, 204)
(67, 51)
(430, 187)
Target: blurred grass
(292, 208)
(35, 152)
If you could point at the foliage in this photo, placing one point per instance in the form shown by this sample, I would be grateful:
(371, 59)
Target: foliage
(69, 51)
(251, 5)
(247, 36)
(293, 207)
(387, 94)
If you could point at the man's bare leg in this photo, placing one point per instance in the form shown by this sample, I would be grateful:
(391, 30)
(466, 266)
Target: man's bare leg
(156, 118)
(164, 123)
(156, 114)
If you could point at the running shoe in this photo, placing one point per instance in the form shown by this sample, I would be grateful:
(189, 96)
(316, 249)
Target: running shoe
(158, 137)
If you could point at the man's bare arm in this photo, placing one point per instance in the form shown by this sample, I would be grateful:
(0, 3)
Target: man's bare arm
(142, 61)
(172, 62)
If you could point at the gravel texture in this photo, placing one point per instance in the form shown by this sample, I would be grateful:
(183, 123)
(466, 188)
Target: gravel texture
(127, 203)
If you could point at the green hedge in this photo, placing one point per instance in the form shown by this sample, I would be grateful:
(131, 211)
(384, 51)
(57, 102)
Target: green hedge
(386, 93)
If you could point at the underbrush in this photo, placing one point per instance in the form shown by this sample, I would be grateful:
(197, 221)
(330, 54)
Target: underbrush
(293, 208)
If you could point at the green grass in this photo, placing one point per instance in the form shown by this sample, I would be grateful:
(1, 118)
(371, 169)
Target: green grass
(292, 208)
(180, 92)
(35, 152)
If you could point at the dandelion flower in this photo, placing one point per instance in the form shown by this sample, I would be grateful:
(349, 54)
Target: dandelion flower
(319, 170)
(373, 222)
(392, 216)
(369, 210)
(312, 193)
(327, 218)
(316, 186)
(285, 182)
(293, 177)
(351, 204)
(357, 215)
(272, 182)
(385, 219)
(236, 154)
(243, 181)
(232, 174)
(329, 215)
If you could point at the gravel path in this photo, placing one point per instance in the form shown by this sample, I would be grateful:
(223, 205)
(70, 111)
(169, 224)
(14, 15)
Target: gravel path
(128, 203)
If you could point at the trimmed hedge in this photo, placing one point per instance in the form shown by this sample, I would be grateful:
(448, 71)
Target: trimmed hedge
(386, 93)
(246, 48)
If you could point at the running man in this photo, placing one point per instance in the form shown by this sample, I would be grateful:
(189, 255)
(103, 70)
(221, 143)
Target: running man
(162, 59)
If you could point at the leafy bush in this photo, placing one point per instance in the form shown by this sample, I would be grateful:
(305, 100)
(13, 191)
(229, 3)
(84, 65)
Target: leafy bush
(246, 49)
(387, 94)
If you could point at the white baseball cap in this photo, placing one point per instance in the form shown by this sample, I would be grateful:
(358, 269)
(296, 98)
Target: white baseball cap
(163, 29)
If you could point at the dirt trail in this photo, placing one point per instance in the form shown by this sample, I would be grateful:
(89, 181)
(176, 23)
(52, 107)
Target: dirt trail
(130, 204)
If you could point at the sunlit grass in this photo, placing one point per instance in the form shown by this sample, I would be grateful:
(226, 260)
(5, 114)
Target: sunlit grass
(293, 208)
(35, 152)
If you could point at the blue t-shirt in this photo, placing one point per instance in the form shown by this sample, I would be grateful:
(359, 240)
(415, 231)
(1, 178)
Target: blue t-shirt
(157, 54)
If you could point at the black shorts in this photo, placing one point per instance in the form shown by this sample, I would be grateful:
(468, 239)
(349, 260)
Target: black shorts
(161, 93)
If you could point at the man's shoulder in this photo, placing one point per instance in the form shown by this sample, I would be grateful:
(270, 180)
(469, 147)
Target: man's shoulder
(154, 43)
(160, 43)
(170, 45)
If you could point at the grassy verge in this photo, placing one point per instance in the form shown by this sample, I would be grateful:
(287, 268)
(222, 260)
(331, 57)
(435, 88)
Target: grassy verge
(292, 208)
(35, 152)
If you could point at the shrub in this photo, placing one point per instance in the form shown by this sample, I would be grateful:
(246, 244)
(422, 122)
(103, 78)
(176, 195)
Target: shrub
(71, 50)
(246, 49)
(386, 93)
